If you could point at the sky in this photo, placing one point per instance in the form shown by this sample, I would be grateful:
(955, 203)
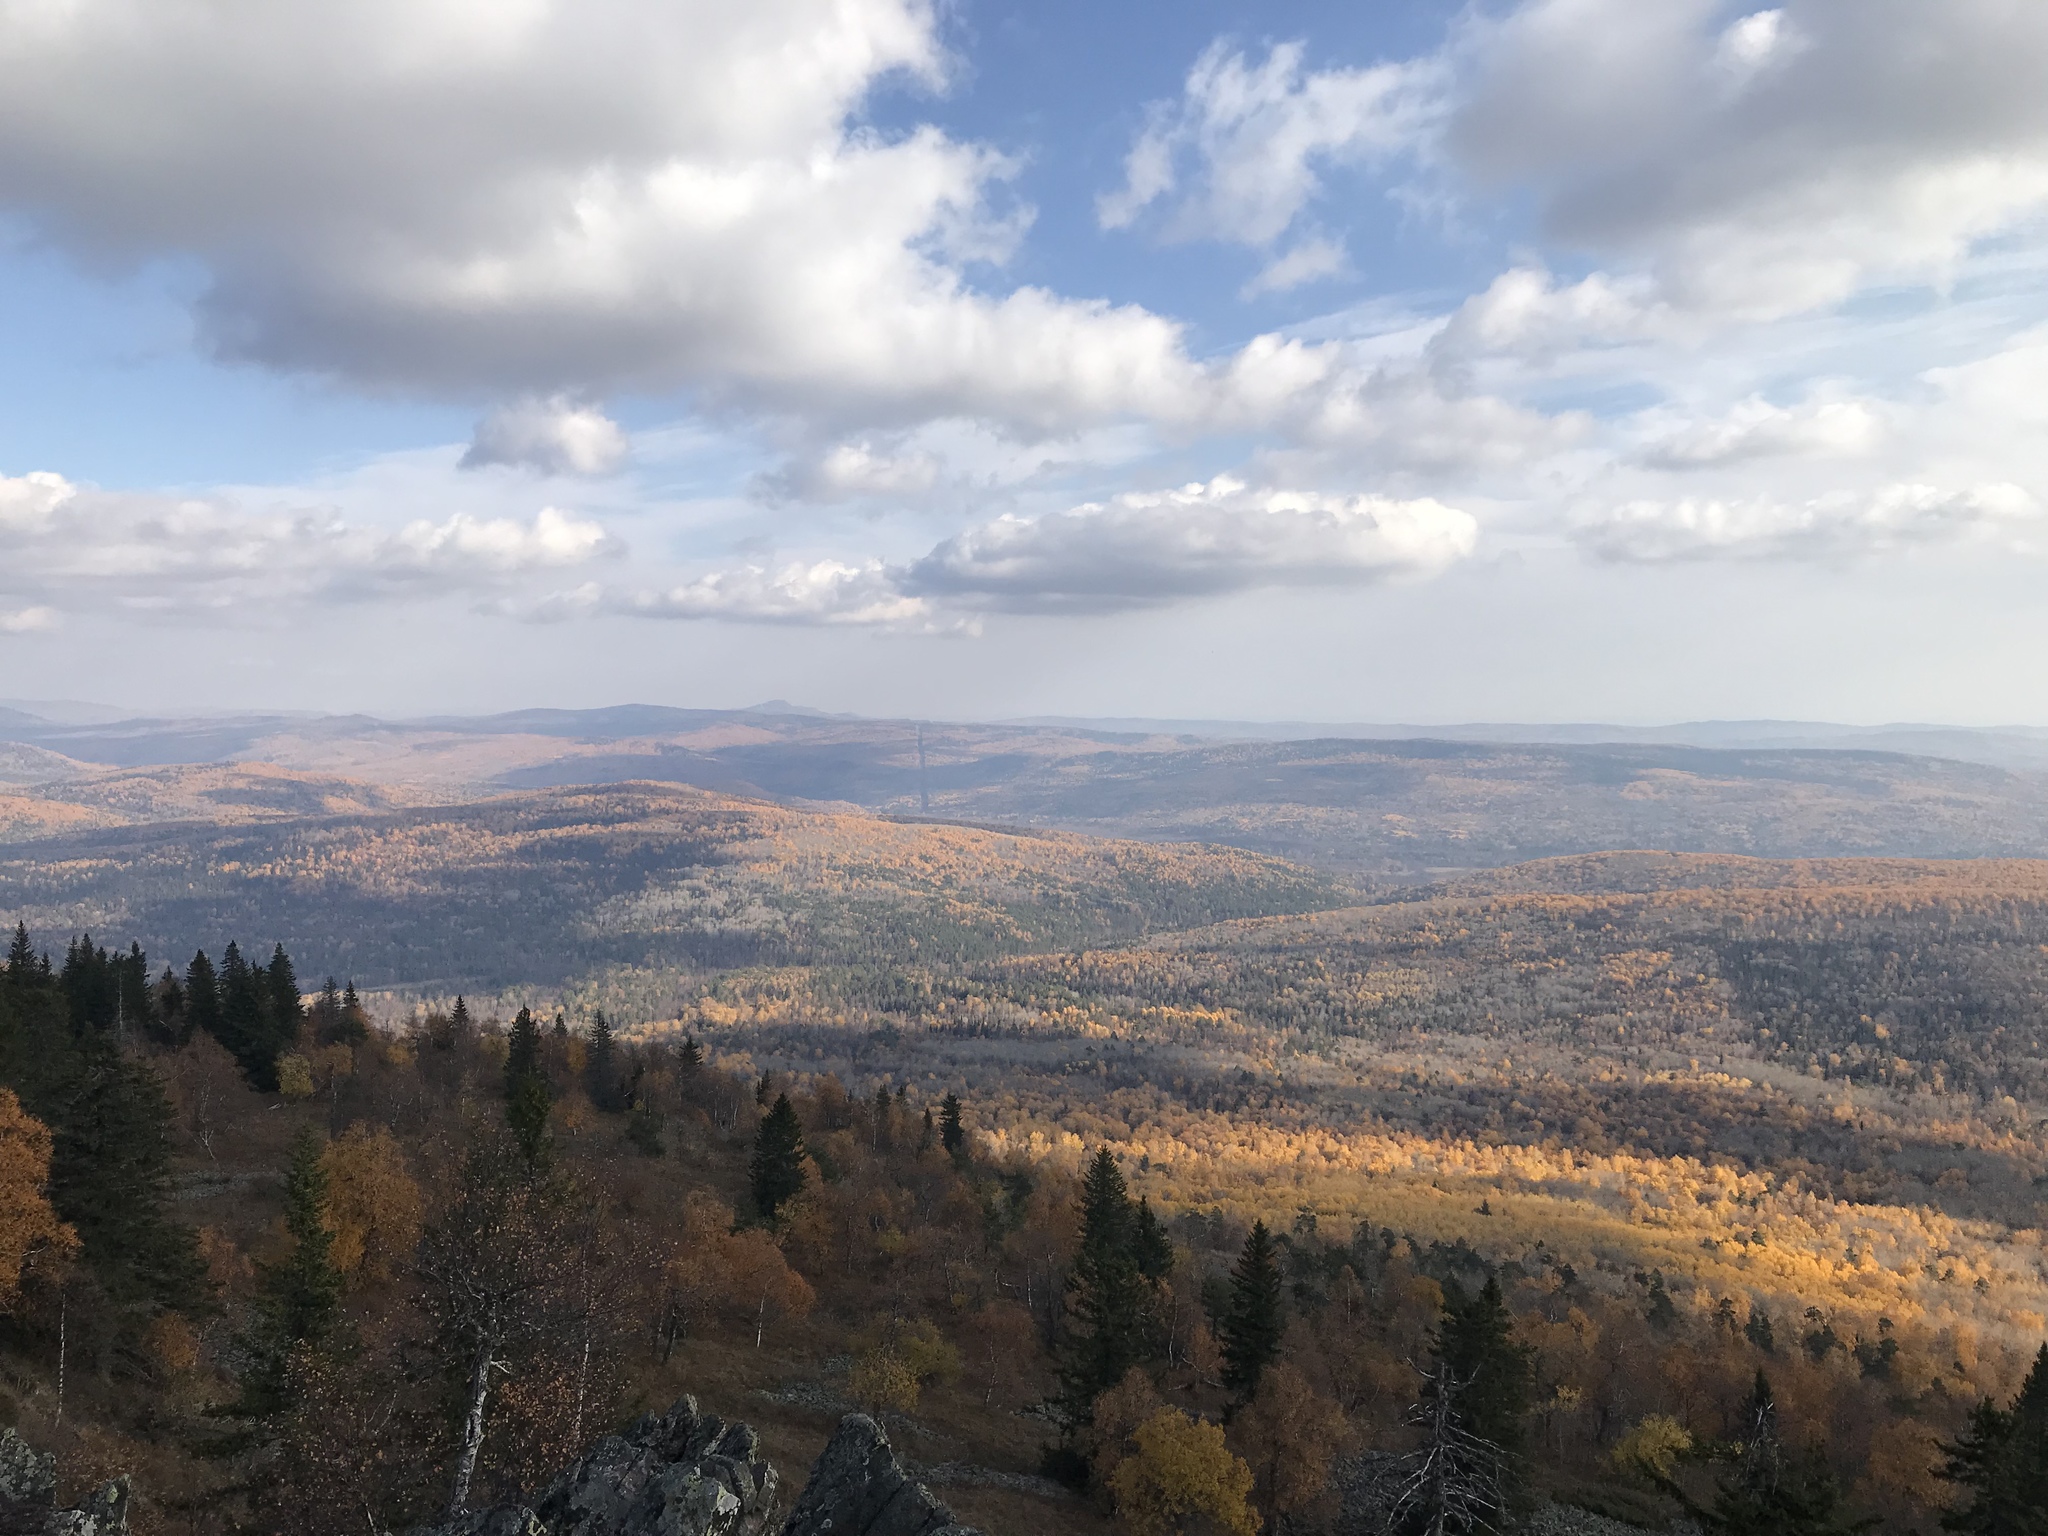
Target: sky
(1543, 361)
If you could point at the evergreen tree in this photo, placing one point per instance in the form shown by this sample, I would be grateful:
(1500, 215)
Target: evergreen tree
(1151, 1248)
(2000, 1464)
(1658, 1307)
(952, 1133)
(1475, 1342)
(601, 1066)
(777, 1167)
(527, 1098)
(202, 997)
(883, 1116)
(284, 1006)
(1107, 1298)
(1253, 1321)
(300, 1294)
(169, 1024)
(355, 1022)
(459, 1027)
(1759, 1332)
(21, 955)
(326, 1012)
(929, 1136)
(110, 1153)
(1770, 1489)
(246, 1020)
(691, 1057)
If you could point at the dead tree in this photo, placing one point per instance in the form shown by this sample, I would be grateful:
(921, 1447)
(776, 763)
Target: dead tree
(1451, 1485)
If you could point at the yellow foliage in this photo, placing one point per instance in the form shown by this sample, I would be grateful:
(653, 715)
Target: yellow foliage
(1181, 1471)
(373, 1203)
(29, 1228)
(1652, 1449)
(1119, 1414)
(294, 1077)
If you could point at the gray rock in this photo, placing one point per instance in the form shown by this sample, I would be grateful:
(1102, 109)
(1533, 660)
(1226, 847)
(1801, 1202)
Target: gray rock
(859, 1488)
(28, 1497)
(681, 1473)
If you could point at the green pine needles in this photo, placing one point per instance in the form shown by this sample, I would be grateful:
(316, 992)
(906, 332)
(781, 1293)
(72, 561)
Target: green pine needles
(776, 1170)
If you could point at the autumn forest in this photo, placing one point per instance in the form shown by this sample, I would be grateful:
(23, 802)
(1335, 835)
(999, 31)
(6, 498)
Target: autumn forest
(1134, 1187)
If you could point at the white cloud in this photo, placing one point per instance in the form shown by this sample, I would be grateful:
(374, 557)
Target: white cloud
(819, 592)
(1756, 429)
(27, 621)
(1527, 313)
(1143, 550)
(1259, 137)
(79, 546)
(1771, 164)
(1834, 527)
(547, 197)
(1158, 547)
(1313, 260)
(554, 436)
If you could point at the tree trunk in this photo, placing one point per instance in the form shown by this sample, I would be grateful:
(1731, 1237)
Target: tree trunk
(472, 1425)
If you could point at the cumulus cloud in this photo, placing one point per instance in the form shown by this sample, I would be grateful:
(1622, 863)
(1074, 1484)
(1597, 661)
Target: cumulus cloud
(1142, 550)
(1766, 164)
(68, 544)
(1151, 548)
(1740, 166)
(555, 436)
(1834, 527)
(549, 197)
(1243, 152)
(1756, 429)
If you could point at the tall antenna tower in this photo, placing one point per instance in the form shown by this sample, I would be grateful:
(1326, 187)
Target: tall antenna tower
(924, 792)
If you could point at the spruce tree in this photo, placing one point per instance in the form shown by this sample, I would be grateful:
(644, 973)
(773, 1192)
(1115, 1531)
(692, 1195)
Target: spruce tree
(952, 1132)
(2000, 1464)
(882, 1114)
(21, 955)
(1475, 1342)
(300, 1293)
(1151, 1248)
(601, 1066)
(284, 1007)
(1107, 1298)
(110, 1177)
(355, 1023)
(776, 1170)
(202, 997)
(169, 1023)
(527, 1098)
(246, 1022)
(1253, 1321)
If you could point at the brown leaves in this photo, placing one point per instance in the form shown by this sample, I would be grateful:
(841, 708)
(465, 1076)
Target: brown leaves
(30, 1233)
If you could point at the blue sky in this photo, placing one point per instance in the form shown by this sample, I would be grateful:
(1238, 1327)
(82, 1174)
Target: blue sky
(1544, 360)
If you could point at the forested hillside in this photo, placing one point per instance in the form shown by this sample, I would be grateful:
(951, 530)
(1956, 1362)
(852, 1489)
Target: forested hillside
(1104, 1204)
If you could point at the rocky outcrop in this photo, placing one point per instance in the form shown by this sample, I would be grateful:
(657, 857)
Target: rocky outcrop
(28, 1497)
(686, 1473)
(681, 1473)
(859, 1488)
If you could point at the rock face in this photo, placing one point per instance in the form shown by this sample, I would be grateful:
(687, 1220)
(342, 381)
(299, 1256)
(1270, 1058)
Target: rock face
(28, 1497)
(859, 1488)
(681, 1473)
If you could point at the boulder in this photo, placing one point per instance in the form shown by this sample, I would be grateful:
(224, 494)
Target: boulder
(859, 1488)
(680, 1473)
(28, 1497)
